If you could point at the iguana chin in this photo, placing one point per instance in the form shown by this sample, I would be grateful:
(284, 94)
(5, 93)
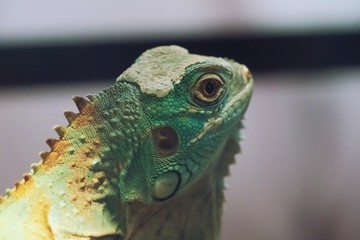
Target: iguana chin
(143, 159)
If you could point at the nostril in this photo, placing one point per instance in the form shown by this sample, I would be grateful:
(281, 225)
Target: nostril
(246, 74)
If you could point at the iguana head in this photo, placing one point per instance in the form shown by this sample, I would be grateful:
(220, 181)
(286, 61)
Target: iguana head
(158, 134)
(192, 104)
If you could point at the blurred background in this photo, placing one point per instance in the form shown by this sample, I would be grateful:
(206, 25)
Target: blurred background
(299, 174)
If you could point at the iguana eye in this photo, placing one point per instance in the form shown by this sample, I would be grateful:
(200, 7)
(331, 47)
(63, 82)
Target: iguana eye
(209, 89)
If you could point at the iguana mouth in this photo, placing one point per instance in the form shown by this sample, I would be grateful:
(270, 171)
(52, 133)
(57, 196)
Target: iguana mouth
(236, 107)
(231, 114)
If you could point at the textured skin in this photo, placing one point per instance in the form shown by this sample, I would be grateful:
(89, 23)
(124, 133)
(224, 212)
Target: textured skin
(143, 159)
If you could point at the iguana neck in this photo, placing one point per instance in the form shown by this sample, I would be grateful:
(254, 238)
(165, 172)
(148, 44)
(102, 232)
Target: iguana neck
(196, 215)
(78, 180)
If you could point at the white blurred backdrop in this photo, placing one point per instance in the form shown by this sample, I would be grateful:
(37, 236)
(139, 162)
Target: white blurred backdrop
(45, 22)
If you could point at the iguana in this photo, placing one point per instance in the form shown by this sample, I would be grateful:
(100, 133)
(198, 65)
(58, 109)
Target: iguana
(143, 159)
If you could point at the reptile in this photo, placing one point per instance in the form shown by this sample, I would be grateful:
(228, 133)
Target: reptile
(143, 159)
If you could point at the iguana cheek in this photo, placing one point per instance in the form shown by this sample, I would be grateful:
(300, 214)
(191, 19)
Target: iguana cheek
(165, 185)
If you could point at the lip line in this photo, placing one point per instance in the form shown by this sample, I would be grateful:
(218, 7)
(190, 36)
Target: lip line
(247, 90)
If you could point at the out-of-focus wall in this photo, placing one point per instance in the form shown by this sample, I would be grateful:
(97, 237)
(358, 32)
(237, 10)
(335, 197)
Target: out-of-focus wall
(41, 21)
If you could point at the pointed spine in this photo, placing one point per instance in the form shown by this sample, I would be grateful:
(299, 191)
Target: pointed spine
(51, 142)
(35, 167)
(61, 130)
(26, 177)
(44, 155)
(81, 102)
(70, 116)
(8, 192)
(92, 98)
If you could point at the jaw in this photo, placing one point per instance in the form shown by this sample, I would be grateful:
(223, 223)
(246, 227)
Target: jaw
(196, 214)
(235, 109)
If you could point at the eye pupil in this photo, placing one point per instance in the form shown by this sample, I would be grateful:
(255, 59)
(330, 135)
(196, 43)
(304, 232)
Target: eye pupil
(209, 87)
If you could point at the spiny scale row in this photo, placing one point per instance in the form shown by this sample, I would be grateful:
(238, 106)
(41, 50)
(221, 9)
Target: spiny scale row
(8, 191)
(81, 104)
